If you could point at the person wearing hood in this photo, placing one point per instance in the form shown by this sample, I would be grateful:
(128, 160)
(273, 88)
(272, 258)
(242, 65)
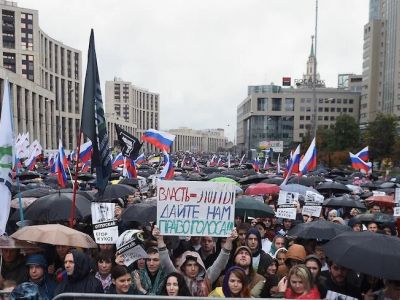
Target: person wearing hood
(37, 273)
(198, 279)
(234, 285)
(295, 255)
(261, 260)
(79, 277)
(243, 258)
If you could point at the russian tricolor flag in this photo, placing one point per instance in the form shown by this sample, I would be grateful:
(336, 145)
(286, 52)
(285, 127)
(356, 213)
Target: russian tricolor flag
(266, 163)
(363, 154)
(118, 160)
(256, 164)
(140, 160)
(85, 153)
(309, 161)
(30, 163)
(358, 164)
(293, 162)
(213, 161)
(86, 166)
(160, 139)
(167, 172)
(130, 168)
(60, 167)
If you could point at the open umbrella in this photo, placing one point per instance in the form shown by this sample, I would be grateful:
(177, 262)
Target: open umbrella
(377, 218)
(37, 192)
(140, 212)
(320, 229)
(7, 242)
(55, 234)
(274, 180)
(307, 181)
(381, 200)
(134, 182)
(25, 202)
(332, 188)
(343, 201)
(298, 188)
(56, 207)
(224, 180)
(366, 252)
(250, 207)
(262, 188)
(114, 191)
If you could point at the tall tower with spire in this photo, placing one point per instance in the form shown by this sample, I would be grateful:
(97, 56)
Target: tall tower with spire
(311, 63)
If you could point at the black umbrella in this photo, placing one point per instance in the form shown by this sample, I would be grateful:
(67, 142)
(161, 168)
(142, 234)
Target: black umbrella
(55, 208)
(275, 180)
(85, 176)
(140, 212)
(113, 191)
(134, 182)
(332, 188)
(246, 206)
(256, 178)
(366, 252)
(320, 229)
(35, 185)
(344, 201)
(37, 193)
(377, 218)
(14, 188)
(307, 181)
(27, 175)
(86, 194)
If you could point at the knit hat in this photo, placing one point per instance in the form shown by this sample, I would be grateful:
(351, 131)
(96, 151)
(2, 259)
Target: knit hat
(242, 248)
(297, 252)
(37, 259)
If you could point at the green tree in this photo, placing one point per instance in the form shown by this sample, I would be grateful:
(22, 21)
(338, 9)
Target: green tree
(381, 136)
(346, 133)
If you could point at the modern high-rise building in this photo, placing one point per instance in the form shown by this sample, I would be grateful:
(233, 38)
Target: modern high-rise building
(286, 113)
(381, 61)
(137, 107)
(45, 77)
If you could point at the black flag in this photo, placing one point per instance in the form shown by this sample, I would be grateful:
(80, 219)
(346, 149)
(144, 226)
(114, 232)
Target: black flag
(129, 144)
(93, 123)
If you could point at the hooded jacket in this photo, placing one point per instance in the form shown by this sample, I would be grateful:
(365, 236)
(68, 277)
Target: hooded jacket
(264, 258)
(81, 280)
(201, 285)
(46, 285)
(295, 252)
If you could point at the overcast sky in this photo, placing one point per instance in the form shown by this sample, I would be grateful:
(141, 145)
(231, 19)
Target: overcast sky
(200, 55)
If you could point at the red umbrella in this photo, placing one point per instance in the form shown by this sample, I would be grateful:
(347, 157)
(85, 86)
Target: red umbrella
(381, 200)
(262, 188)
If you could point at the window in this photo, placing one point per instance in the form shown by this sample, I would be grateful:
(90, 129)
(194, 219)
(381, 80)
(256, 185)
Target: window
(344, 101)
(289, 104)
(308, 109)
(339, 101)
(261, 104)
(344, 109)
(326, 118)
(338, 109)
(308, 118)
(350, 110)
(332, 118)
(301, 126)
(301, 118)
(326, 109)
(351, 101)
(320, 109)
(308, 100)
(332, 109)
(276, 104)
(320, 118)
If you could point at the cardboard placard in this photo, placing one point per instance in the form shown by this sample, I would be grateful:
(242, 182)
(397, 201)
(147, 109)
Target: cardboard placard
(192, 208)
(286, 198)
(105, 229)
(286, 213)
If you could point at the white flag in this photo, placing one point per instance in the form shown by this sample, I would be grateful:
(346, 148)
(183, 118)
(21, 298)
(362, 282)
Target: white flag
(6, 157)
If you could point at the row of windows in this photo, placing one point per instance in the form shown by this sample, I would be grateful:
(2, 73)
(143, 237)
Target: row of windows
(328, 109)
(328, 100)
(262, 104)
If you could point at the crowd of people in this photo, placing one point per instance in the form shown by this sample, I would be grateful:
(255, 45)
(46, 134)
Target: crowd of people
(258, 259)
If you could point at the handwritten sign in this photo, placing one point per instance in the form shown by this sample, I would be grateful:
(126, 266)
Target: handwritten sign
(191, 208)
(286, 213)
(105, 229)
(312, 210)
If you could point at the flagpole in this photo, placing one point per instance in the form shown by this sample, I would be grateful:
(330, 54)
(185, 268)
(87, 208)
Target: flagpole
(21, 210)
(72, 216)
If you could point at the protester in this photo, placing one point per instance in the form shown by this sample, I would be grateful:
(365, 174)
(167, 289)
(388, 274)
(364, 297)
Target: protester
(295, 255)
(175, 285)
(260, 259)
(298, 284)
(270, 288)
(265, 242)
(37, 273)
(13, 265)
(152, 276)
(234, 285)
(207, 247)
(104, 262)
(79, 277)
(121, 282)
(278, 242)
(242, 230)
(243, 258)
(8, 287)
(280, 256)
(336, 282)
(198, 279)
